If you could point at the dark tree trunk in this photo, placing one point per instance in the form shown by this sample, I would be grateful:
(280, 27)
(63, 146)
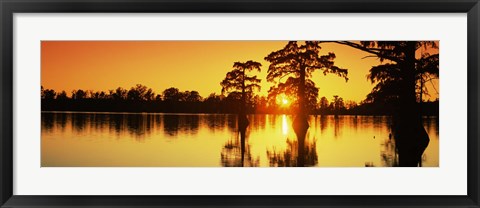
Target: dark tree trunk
(408, 96)
(301, 134)
(301, 120)
(242, 117)
(301, 92)
(411, 138)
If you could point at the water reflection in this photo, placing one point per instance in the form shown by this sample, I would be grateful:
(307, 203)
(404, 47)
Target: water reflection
(236, 151)
(337, 126)
(300, 152)
(389, 153)
(215, 140)
(411, 140)
(284, 125)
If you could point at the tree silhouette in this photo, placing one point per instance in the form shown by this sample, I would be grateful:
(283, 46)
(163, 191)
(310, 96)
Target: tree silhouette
(172, 94)
(192, 96)
(404, 70)
(323, 104)
(62, 95)
(191, 102)
(350, 104)
(238, 81)
(98, 95)
(300, 61)
(388, 79)
(400, 79)
(291, 87)
(48, 94)
(119, 94)
(140, 93)
(214, 103)
(79, 94)
(337, 104)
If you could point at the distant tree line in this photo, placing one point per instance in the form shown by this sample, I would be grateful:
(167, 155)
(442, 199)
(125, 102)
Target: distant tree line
(140, 98)
(398, 91)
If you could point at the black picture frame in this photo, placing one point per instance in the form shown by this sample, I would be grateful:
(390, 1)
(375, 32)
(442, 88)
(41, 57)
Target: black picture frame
(9, 7)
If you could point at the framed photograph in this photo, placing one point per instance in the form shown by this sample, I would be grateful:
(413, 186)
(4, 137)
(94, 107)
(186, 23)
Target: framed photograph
(264, 103)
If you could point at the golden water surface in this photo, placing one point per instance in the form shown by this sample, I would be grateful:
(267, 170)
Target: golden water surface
(212, 140)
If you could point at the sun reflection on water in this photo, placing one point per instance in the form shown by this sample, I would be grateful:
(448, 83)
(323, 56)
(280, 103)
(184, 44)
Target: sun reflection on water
(187, 140)
(284, 125)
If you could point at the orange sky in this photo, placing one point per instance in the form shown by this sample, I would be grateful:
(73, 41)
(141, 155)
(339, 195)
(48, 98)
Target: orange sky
(187, 65)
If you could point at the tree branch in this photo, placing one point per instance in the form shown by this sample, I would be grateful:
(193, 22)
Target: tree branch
(375, 51)
(370, 57)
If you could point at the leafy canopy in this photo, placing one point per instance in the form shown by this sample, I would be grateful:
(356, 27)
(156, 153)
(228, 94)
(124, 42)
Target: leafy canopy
(388, 76)
(237, 80)
(294, 58)
(290, 89)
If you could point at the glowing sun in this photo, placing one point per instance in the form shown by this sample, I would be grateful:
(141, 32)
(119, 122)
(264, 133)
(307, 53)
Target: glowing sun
(283, 100)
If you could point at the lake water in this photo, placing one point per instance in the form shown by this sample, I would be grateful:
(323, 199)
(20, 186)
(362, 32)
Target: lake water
(212, 140)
